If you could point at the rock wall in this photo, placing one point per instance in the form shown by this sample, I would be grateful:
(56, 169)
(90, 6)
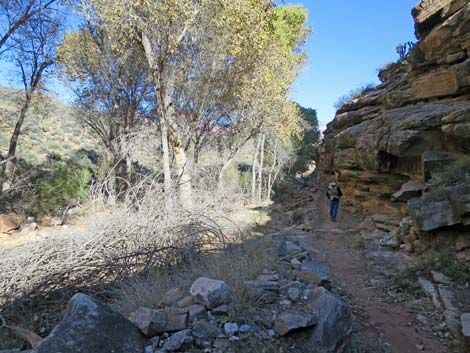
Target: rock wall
(385, 146)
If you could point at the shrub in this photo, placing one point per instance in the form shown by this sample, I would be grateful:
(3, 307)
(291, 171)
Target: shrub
(353, 94)
(403, 50)
(66, 184)
(359, 242)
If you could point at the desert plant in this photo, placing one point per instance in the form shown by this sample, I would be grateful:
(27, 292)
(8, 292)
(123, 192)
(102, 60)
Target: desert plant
(353, 94)
(403, 50)
(359, 242)
(66, 184)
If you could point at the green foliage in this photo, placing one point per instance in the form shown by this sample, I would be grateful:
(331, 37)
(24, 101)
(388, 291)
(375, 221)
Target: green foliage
(455, 173)
(66, 183)
(306, 148)
(444, 261)
(403, 50)
(353, 94)
(359, 242)
(245, 182)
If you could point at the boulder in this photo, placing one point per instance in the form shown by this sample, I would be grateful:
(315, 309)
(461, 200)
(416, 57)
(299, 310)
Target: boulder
(289, 321)
(441, 207)
(315, 273)
(209, 292)
(408, 191)
(8, 223)
(90, 326)
(440, 278)
(332, 332)
(154, 322)
(430, 291)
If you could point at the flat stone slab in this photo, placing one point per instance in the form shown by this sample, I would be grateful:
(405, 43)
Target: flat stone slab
(289, 321)
(315, 273)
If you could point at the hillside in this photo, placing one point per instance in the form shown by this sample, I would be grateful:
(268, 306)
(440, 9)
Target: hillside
(50, 128)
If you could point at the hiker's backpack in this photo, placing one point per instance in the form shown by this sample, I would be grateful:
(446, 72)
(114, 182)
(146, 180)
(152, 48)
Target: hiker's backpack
(333, 191)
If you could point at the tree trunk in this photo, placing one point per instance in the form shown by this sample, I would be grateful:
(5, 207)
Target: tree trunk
(166, 157)
(260, 170)
(222, 172)
(253, 172)
(184, 171)
(9, 167)
(271, 170)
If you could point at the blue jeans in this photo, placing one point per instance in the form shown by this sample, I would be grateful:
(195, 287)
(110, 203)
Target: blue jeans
(334, 205)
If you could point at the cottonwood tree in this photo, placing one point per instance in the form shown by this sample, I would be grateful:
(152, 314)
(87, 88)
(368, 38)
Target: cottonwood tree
(17, 13)
(32, 51)
(113, 95)
(209, 61)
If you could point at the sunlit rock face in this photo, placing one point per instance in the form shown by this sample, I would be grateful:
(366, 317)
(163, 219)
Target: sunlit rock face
(413, 125)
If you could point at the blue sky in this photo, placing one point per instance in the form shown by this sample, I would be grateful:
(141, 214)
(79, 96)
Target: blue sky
(350, 41)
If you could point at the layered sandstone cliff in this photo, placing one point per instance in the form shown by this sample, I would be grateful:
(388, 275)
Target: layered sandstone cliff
(388, 146)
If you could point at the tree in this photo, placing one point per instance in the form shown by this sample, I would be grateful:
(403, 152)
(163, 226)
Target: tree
(33, 53)
(213, 63)
(17, 13)
(306, 147)
(112, 92)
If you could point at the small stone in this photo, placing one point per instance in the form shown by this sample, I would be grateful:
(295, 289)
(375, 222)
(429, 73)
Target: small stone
(197, 312)
(155, 341)
(185, 302)
(280, 247)
(420, 347)
(271, 333)
(286, 303)
(293, 294)
(149, 349)
(222, 310)
(315, 273)
(422, 318)
(439, 277)
(295, 263)
(230, 328)
(270, 277)
(289, 321)
(465, 321)
(176, 319)
(245, 328)
(179, 341)
(292, 249)
(29, 227)
(209, 292)
(205, 330)
(150, 322)
(56, 221)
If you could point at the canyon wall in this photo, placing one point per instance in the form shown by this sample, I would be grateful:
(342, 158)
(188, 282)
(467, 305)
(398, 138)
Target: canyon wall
(391, 147)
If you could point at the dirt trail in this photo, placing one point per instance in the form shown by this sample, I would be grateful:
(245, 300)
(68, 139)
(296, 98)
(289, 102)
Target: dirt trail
(379, 324)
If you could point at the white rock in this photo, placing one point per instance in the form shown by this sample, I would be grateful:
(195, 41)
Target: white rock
(230, 328)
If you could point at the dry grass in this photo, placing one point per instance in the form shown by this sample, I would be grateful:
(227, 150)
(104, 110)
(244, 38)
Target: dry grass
(144, 232)
(235, 265)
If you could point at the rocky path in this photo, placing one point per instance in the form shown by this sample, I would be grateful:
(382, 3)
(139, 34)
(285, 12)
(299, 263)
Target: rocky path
(380, 325)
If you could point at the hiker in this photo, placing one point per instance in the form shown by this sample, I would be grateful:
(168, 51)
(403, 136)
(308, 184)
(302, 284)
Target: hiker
(334, 193)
